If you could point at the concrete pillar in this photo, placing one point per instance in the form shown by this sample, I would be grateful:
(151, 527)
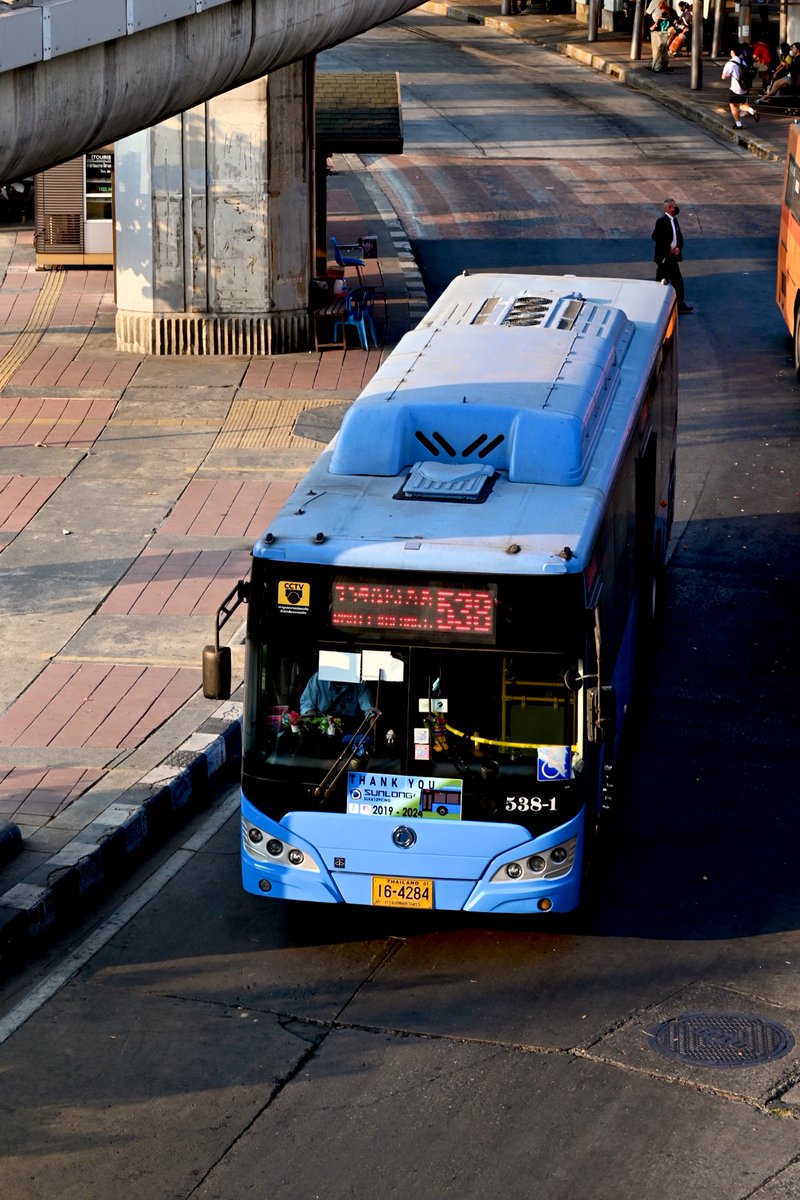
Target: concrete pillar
(792, 21)
(214, 215)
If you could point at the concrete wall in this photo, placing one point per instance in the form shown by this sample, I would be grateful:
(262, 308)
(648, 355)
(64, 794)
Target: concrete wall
(52, 109)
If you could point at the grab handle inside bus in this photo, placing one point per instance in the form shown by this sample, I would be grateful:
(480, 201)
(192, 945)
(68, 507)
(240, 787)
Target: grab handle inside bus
(216, 658)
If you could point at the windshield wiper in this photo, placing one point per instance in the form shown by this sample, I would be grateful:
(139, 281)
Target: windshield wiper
(342, 761)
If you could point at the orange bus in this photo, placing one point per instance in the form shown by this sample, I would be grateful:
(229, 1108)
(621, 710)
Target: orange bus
(788, 284)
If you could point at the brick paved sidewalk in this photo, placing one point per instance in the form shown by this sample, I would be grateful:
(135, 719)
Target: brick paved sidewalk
(131, 492)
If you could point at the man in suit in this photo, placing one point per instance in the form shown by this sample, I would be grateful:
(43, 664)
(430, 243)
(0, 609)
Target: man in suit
(669, 252)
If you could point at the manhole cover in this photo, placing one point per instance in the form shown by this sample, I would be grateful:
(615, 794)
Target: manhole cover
(722, 1039)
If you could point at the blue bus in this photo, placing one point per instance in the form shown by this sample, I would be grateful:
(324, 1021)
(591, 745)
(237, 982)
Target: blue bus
(446, 621)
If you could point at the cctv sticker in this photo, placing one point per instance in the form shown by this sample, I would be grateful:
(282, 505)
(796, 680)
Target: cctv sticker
(293, 597)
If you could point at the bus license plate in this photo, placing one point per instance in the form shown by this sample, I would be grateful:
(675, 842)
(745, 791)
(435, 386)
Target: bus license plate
(402, 893)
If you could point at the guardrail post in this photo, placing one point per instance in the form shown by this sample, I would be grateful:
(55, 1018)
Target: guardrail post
(593, 13)
(716, 40)
(697, 46)
(636, 36)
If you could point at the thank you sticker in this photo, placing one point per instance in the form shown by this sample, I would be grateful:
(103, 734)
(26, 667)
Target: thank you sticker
(407, 796)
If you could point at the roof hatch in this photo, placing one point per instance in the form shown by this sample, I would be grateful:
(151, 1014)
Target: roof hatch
(465, 483)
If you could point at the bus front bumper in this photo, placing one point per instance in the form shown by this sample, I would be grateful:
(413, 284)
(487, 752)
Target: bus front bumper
(461, 881)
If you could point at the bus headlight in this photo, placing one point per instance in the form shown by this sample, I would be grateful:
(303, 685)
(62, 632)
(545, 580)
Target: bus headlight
(273, 850)
(550, 864)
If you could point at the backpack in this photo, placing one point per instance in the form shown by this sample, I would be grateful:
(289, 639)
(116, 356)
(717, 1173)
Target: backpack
(745, 69)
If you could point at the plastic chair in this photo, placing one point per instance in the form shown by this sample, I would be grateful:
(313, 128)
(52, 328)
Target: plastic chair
(348, 260)
(358, 306)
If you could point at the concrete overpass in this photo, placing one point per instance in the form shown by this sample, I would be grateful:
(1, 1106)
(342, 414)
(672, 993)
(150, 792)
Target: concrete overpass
(76, 74)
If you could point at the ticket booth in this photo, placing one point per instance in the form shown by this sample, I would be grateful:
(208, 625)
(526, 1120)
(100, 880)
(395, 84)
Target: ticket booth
(74, 212)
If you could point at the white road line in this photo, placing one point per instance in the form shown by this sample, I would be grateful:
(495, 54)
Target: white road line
(95, 941)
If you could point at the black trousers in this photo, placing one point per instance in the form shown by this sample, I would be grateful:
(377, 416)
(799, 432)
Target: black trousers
(669, 271)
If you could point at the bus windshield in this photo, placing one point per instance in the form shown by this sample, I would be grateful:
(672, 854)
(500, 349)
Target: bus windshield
(399, 708)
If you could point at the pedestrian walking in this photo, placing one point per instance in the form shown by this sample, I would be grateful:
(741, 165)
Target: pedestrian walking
(661, 34)
(668, 238)
(737, 73)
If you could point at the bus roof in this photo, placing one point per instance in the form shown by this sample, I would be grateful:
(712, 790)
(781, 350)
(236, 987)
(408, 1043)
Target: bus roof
(500, 420)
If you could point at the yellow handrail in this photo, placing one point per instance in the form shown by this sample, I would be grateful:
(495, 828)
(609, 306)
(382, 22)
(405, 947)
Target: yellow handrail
(474, 737)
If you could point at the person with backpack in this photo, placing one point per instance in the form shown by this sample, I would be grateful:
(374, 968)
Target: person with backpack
(738, 71)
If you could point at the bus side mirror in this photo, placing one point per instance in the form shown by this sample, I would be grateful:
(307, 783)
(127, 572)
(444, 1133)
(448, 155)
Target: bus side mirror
(216, 658)
(217, 672)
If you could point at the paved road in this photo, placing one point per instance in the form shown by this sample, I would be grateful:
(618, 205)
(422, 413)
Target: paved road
(213, 1045)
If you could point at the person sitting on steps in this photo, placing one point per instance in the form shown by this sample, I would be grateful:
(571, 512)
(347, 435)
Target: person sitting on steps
(791, 78)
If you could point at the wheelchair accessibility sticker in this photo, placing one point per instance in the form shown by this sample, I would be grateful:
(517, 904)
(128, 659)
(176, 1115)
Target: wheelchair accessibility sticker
(554, 763)
(293, 597)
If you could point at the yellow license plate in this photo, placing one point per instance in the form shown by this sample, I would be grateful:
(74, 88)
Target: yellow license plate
(402, 893)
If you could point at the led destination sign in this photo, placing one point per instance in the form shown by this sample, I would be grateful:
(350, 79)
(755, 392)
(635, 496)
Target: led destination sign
(415, 608)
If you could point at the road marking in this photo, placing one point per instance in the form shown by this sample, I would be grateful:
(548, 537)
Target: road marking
(77, 958)
(37, 323)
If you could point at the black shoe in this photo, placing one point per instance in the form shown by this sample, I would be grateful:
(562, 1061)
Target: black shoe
(684, 308)
(756, 115)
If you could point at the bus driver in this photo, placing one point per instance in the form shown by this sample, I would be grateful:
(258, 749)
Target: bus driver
(334, 698)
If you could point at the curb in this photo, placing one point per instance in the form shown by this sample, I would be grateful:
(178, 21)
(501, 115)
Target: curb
(631, 79)
(137, 822)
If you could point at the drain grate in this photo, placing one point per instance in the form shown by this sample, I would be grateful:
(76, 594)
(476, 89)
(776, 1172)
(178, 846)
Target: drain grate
(722, 1039)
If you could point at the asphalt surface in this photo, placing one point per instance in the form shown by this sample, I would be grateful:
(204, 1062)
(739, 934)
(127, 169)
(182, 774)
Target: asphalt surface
(131, 491)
